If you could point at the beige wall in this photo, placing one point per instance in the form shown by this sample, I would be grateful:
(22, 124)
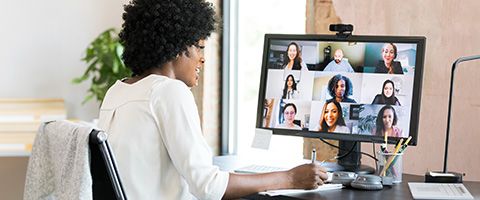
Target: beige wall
(12, 173)
(452, 30)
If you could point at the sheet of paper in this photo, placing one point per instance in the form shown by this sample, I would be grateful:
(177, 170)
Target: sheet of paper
(323, 187)
(262, 138)
(439, 191)
(441, 174)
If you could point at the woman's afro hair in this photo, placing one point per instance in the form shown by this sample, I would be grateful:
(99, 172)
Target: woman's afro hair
(156, 31)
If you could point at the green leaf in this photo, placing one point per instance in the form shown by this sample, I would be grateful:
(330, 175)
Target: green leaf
(87, 98)
(104, 64)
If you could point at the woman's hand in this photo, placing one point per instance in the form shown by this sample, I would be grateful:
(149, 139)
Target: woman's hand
(307, 176)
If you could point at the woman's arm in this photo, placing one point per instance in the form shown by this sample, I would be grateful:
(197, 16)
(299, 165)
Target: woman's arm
(307, 176)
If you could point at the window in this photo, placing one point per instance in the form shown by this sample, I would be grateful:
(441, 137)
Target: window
(249, 21)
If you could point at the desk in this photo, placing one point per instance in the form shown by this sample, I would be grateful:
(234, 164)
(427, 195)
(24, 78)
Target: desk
(399, 191)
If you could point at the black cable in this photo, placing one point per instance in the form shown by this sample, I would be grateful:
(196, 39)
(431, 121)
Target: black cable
(374, 158)
(348, 153)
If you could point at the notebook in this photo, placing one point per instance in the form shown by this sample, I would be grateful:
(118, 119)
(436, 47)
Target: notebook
(323, 187)
(439, 191)
(259, 169)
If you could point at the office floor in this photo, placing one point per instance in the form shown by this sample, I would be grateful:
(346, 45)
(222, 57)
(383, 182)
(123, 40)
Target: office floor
(12, 177)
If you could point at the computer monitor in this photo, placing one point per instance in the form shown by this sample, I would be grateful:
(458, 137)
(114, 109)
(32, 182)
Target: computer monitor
(355, 88)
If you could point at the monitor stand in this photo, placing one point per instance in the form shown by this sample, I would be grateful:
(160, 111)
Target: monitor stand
(352, 162)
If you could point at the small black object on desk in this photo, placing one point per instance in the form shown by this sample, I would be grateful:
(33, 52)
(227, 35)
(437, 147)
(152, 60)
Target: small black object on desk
(445, 176)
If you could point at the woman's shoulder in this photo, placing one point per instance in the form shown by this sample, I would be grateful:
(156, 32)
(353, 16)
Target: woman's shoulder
(297, 127)
(374, 131)
(349, 100)
(397, 102)
(281, 126)
(397, 67)
(377, 99)
(169, 85)
(342, 129)
(380, 68)
(397, 63)
(170, 90)
(381, 64)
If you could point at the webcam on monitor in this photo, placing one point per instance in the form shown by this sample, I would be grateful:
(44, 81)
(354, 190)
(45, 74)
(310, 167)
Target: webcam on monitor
(342, 29)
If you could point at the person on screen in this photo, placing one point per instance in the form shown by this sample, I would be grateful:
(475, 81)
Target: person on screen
(152, 119)
(388, 95)
(289, 112)
(388, 65)
(338, 64)
(340, 88)
(386, 122)
(290, 88)
(331, 118)
(294, 59)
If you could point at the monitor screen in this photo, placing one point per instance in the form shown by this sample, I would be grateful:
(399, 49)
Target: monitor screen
(357, 88)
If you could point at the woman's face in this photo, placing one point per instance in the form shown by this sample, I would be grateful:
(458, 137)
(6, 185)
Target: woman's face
(388, 118)
(292, 52)
(331, 114)
(290, 82)
(388, 90)
(340, 89)
(388, 53)
(187, 68)
(289, 114)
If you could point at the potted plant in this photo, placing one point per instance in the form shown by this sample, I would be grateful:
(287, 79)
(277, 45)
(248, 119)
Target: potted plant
(105, 66)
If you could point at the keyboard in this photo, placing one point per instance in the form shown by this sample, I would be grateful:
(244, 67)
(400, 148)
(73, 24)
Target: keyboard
(253, 169)
(439, 191)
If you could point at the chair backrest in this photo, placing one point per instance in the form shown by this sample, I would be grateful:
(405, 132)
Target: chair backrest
(106, 180)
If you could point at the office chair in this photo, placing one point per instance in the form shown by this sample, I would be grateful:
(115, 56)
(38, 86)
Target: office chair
(105, 177)
(71, 161)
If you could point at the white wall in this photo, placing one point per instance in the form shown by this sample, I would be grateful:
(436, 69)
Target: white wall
(42, 42)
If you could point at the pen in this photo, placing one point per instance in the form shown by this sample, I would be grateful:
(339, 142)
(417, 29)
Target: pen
(321, 163)
(398, 150)
(404, 146)
(394, 156)
(314, 155)
(386, 138)
(399, 145)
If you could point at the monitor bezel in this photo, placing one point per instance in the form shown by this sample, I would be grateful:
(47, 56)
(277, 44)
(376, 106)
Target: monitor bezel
(417, 85)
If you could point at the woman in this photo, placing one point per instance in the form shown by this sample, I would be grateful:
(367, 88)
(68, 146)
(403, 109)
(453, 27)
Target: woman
(386, 122)
(387, 65)
(290, 88)
(294, 60)
(289, 112)
(340, 88)
(331, 119)
(152, 120)
(388, 95)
